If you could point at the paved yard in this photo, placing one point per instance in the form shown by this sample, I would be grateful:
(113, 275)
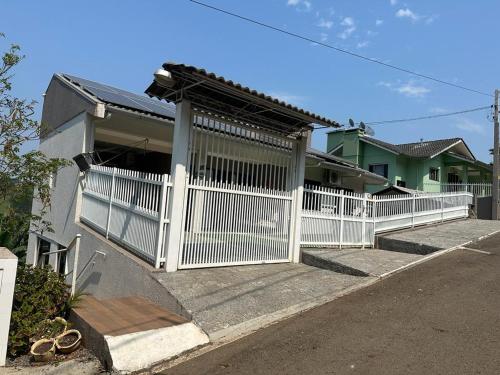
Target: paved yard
(368, 262)
(444, 236)
(441, 317)
(228, 301)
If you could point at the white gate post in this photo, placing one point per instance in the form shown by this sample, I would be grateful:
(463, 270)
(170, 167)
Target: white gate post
(413, 211)
(299, 158)
(342, 205)
(363, 217)
(161, 220)
(442, 207)
(8, 269)
(180, 159)
(110, 207)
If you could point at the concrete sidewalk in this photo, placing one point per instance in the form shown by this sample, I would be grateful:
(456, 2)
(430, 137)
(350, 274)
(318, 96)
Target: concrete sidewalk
(430, 238)
(359, 262)
(231, 301)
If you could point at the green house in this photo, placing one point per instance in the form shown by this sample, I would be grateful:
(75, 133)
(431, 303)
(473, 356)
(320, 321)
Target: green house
(426, 165)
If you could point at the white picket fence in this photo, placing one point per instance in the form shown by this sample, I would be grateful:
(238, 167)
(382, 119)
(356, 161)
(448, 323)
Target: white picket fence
(404, 211)
(477, 189)
(337, 218)
(228, 223)
(130, 208)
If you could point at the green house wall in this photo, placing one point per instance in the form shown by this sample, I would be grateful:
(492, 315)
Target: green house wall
(415, 172)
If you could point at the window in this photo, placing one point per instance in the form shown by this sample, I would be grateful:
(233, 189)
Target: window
(401, 183)
(43, 247)
(61, 260)
(434, 174)
(380, 169)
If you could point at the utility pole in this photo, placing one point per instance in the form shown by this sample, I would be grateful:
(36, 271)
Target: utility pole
(496, 162)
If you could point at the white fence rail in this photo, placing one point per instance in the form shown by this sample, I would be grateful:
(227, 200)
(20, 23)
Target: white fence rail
(396, 212)
(228, 222)
(477, 189)
(337, 218)
(129, 207)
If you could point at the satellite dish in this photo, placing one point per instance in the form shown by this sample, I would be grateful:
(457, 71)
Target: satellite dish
(362, 125)
(351, 123)
(369, 130)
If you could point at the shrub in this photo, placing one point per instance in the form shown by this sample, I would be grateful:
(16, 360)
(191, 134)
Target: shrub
(40, 294)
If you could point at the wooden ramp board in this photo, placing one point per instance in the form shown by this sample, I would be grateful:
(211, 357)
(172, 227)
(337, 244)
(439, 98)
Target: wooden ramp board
(114, 328)
(120, 316)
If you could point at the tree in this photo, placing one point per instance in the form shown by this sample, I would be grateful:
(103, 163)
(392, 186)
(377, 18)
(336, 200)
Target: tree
(23, 175)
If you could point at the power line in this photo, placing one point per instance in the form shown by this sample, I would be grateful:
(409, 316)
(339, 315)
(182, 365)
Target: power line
(419, 118)
(353, 54)
(428, 117)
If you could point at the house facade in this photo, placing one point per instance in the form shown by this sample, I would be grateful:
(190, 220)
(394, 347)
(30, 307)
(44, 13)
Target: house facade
(430, 166)
(244, 174)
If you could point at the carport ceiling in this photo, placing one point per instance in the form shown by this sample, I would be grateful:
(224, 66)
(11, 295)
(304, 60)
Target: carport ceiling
(216, 95)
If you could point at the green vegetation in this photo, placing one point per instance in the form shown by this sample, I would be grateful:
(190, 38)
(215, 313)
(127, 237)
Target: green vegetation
(40, 296)
(21, 173)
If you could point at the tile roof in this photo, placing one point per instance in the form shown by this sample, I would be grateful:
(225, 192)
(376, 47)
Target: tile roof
(217, 94)
(424, 149)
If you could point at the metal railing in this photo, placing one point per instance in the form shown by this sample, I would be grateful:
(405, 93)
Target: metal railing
(337, 218)
(130, 208)
(477, 189)
(75, 243)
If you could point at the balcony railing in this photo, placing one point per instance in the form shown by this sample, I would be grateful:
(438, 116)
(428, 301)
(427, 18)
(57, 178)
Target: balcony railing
(477, 189)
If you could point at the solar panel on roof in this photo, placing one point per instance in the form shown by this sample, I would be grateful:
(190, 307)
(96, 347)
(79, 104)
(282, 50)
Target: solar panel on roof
(124, 98)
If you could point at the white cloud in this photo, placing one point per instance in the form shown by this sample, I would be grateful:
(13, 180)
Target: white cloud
(326, 24)
(323, 37)
(300, 5)
(414, 17)
(394, 2)
(348, 23)
(407, 13)
(469, 126)
(410, 89)
(371, 33)
(288, 97)
(379, 22)
(363, 44)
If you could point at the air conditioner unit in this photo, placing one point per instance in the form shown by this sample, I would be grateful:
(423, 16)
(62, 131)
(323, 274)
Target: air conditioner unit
(332, 178)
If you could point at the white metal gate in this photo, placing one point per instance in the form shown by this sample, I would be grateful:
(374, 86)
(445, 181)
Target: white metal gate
(238, 198)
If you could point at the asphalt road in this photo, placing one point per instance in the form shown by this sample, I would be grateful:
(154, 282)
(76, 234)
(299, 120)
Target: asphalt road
(442, 317)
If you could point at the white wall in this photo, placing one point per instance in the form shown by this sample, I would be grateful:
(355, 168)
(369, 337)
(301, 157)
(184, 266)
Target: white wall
(8, 265)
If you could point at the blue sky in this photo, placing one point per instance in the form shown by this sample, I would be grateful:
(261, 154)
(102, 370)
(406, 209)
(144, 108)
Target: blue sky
(121, 43)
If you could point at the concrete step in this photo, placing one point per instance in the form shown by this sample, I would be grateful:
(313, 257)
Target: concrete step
(400, 245)
(358, 262)
(132, 333)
